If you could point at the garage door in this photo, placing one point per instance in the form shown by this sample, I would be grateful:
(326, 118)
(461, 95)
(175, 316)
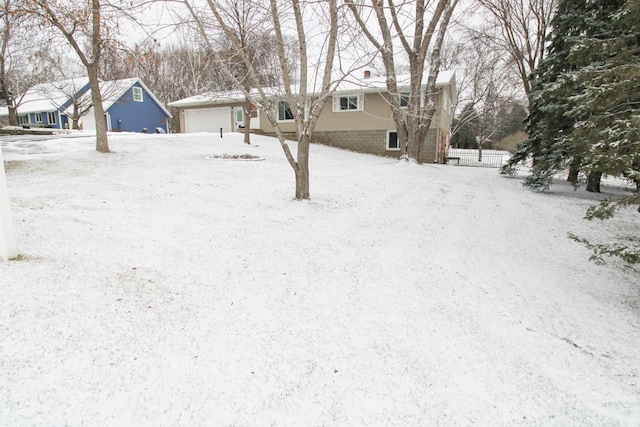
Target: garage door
(208, 120)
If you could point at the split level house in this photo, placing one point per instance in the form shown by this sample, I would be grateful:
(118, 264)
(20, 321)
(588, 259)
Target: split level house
(128, 104)
(358, 117)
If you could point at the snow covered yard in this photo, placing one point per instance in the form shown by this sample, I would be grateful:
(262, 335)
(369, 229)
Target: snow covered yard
(162, 287)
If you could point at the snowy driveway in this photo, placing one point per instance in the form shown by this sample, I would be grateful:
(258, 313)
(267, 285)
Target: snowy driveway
(16, 147)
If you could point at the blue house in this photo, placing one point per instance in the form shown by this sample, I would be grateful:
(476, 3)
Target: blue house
(44, 105)
(128, 104)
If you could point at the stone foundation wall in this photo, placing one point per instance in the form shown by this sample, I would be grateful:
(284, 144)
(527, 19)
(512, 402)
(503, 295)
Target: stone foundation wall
(372, 142)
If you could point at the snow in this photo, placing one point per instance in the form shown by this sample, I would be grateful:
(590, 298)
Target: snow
(377, 83)
(160, 287)
(48, 96)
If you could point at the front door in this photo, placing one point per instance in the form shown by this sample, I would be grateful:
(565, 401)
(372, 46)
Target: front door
(238, 116)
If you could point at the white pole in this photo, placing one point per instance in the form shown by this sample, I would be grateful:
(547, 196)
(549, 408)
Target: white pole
(8, 247)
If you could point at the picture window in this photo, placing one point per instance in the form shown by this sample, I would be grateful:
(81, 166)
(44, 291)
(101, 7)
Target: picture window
(284, 111)
(348, 103)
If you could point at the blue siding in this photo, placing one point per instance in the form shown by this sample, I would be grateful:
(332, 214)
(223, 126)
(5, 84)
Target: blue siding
(45, 120)
(65, 123)
(128, 115)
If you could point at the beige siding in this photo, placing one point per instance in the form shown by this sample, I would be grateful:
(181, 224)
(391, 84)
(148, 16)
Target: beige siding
(367, 130)
(376, 115)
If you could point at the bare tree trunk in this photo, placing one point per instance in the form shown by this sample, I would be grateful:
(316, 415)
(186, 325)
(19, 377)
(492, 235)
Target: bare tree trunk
(4, 45)
(302, 169)
(574, 170)
(247, 121)
(572, 177)
(13, 114)
(102, 143)
(593, 182)
(75, 118)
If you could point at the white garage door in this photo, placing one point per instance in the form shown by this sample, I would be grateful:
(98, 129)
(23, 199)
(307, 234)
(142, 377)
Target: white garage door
(208, 120)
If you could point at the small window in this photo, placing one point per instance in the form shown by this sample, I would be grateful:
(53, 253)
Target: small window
(23, 119)
(348, 103)
(404, 99)
(51, 118)
(38, 117)
(137, 94)
(392, 141)
(284, 111)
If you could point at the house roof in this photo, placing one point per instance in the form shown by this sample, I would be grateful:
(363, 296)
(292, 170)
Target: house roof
(53, 96)
(113, 90)
(47, 97)
(368, 85)
(217, 97)
(379, 83)
(116, 88)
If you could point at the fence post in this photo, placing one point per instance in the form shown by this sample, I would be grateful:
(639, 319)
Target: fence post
(8, 248)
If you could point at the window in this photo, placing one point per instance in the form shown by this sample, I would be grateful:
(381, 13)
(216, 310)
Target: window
(392, 141)
(284, 112)
(404, 99)
(137, 94)
(348, 103)
(51, 118)
(23, 119)
(38, 117)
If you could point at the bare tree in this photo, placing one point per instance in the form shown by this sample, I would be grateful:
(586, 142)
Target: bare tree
(244, 28)
(521, 28)
(83, 26)
(415, 29)
(303, 102)
(21, 56)
(71, 89)
(486, 83)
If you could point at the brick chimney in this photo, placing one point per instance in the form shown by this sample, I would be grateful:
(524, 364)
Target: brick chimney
(367, 74)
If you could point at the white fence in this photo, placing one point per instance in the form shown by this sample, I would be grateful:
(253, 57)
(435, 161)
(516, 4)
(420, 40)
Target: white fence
(486, 159)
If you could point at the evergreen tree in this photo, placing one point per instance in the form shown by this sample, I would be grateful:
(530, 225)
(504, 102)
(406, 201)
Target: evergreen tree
(607, 109)
(587, 79)
(550, 100)
(585, 108)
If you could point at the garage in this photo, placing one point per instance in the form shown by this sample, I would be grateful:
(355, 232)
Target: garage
(207, 119)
